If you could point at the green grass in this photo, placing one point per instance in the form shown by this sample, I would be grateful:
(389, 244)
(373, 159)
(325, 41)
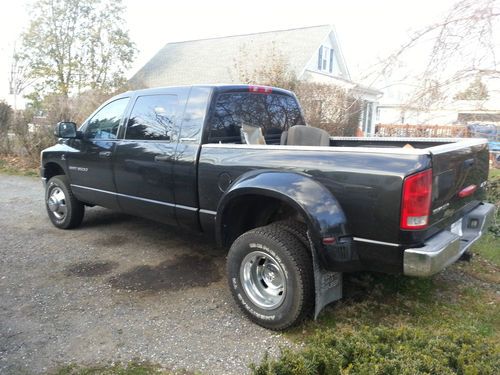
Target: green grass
(488, 248)
(7, 167)
(494, 173)
(398, 325)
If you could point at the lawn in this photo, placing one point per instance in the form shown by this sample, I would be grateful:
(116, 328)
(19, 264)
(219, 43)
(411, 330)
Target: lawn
(448, 324)
(14, 165)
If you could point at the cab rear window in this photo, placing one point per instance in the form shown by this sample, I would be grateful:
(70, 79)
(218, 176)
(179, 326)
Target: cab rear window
(274, 113)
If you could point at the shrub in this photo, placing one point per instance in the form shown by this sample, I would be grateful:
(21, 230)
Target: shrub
(5, 118)
(493, 196)
(384, 350)
(30, 140)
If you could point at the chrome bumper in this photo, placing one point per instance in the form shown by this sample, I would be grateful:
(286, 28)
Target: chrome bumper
(446, 247)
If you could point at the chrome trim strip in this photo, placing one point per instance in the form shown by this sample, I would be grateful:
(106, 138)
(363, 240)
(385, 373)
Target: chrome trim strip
(376, 242)
(369, 150)
(139, 198)
(209, 212)
(464, 142)
(399, 139)
(185, 207)
(451, 145)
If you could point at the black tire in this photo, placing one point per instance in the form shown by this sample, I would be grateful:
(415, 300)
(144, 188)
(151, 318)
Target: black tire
(284, 249)
(72, 215)
(295, 227)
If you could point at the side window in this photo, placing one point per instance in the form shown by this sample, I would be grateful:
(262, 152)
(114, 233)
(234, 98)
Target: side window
(194, 115)
(105, 123)
(153, 118)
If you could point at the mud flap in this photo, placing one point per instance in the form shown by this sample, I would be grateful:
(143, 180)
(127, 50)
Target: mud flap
(327, 284)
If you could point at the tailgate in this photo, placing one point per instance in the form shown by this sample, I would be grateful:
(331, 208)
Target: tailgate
(460, 170)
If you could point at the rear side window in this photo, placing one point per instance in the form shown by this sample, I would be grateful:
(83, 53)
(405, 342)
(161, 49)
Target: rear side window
(274, 113)
(104, 124)
(153, 118)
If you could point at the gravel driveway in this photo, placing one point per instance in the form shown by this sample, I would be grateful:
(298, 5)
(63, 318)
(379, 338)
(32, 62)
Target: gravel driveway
(116, 289)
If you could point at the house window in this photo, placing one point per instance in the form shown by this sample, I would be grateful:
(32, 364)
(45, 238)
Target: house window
(320, 58)
(331, 60)
(325, 59)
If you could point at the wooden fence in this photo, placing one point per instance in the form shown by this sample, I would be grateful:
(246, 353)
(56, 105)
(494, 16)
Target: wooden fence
(427, 131)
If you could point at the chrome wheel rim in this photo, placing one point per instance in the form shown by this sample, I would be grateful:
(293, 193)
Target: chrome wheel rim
(57, 203)
(263, 280)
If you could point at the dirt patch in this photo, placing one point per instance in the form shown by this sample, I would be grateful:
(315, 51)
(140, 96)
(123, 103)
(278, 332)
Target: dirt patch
(111, 241)
(90, 269)
(185, 272)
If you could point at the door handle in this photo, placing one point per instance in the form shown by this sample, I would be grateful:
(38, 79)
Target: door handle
(104, 154)
(163, 157)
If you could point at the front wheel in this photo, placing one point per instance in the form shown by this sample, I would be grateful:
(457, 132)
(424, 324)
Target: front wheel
(64, 210)
(271, 277)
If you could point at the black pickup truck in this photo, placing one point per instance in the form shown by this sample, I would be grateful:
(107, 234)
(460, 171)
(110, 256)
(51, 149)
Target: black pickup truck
(294, 206)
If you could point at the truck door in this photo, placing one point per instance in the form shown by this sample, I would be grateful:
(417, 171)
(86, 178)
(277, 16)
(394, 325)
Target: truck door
(144, 159)
(90, 169)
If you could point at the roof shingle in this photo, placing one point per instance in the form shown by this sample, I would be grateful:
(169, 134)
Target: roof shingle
(214, 60)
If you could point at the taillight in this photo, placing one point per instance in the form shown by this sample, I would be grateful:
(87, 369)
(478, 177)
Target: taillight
(469, 190)
(416, 200)
(260, 89)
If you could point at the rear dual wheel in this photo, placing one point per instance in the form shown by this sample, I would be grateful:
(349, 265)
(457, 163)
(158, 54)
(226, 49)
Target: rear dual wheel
(271, 277)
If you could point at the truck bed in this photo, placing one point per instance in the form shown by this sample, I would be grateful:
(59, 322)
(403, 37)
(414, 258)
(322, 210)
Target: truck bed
(366, 176)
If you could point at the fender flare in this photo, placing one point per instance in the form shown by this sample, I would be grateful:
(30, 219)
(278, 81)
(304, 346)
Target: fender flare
(46, 165)
(320, 209)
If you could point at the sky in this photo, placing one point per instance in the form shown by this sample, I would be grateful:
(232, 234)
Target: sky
(367, 30)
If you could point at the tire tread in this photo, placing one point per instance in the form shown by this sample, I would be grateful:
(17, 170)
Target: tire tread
(77, 209)
(302, 262)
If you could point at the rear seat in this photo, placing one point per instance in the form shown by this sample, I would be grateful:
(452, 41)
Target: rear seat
(301, 135)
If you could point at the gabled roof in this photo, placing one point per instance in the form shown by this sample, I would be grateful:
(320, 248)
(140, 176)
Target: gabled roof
(214, 60)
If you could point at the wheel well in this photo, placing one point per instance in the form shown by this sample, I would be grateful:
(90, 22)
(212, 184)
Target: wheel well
(52, 169)
(251, 211)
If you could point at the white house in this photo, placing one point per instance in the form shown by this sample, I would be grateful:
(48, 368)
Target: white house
(312, 53)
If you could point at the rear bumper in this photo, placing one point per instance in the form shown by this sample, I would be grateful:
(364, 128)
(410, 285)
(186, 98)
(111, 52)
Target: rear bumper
(446, 247)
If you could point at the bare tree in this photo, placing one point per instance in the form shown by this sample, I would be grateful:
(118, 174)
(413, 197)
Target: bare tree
(19, 77)
(477, 90)
(457, 49)
(326, 106)
(276, 72)
(330, 107)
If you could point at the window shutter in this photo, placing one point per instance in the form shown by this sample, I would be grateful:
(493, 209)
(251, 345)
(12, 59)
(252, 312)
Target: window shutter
(320, 57)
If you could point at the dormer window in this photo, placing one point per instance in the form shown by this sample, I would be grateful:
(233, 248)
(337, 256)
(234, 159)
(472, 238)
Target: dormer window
(325, 59)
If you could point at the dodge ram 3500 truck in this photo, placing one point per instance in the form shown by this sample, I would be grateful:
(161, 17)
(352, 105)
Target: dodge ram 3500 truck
(295, 207)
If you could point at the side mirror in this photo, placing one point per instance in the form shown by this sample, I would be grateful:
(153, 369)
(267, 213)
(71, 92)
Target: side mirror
(66, 129)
